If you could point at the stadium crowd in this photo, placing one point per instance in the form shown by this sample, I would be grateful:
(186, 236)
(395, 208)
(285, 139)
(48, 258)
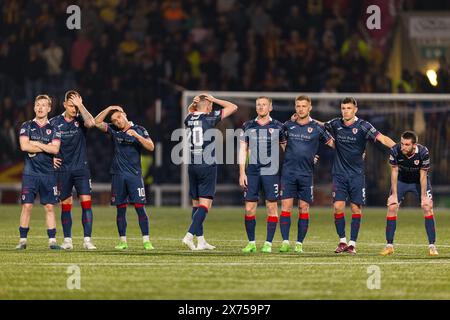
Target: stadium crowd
(133, 52)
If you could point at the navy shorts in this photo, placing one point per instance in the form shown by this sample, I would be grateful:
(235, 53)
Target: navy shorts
(298, 187)
(202, 181)
(403, 188)
(127, 188)
(268, 184)
(80, 179)
(350, 188)
(45, 186)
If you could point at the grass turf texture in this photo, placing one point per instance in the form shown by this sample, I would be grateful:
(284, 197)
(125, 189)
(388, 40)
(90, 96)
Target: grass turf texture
(173, 272)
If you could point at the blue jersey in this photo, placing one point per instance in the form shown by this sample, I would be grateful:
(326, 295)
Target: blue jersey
(197, 124)
(261, 138)
(73, 143)
(40, 163)
(409, 167)
(302, 145)
(127, 150)
(350, 144)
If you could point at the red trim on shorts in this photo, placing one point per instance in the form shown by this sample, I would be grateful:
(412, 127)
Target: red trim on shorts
(285, 214)
(249, 218)
(86, 204)
(339, 215)
(272, 219)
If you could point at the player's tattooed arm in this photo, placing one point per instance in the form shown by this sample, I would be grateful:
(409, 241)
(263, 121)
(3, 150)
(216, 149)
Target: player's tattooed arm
(228, 107)
(27, 146)
(388, 142)
(89, 120)
(147, 143)
(100, 118)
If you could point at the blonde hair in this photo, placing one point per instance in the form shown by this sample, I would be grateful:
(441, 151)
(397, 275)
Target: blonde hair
(44, 97)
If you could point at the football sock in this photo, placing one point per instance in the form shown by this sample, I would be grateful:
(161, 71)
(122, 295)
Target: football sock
(303, 222)
(143, 219)
(271, 227)
(339, 221)
(356, 223)
(23, 233)
(87, 217)
(430, 228)
(51, 234)
(250, 226)
(391, 225)
(198, 218)
(66, 220)
(200, 230)
(122, 219)
(285, 224)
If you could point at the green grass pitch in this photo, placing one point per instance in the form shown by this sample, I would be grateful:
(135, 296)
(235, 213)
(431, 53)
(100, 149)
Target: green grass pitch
(173, 272)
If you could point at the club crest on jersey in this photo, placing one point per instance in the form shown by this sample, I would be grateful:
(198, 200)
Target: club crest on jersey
(355, 130)
(416, 162)
(48, 131)
(22, 131)
(310, 129)
(270, 130)
(76, 124)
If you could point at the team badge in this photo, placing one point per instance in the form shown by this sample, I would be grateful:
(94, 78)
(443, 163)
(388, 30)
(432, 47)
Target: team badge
(113, 199)
(22, 131)
(416, 162)
(76, 124)
(310, 129)
(48, 131)
(355, 130)
(270, 130)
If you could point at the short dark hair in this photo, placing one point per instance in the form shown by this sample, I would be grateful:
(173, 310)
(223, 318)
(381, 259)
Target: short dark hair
(69, 94)
(410, 135)
(349, 100)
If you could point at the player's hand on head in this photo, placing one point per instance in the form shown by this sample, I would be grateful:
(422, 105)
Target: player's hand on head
(76, 100)
(116, 108)
(196, 99)
(294, 117)
(57, 162)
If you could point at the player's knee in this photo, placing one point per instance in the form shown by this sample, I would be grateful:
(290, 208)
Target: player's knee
(272, 208)
(338, 207)
(68, 200)
(27, 207)
(303, 207)
(392, 210)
